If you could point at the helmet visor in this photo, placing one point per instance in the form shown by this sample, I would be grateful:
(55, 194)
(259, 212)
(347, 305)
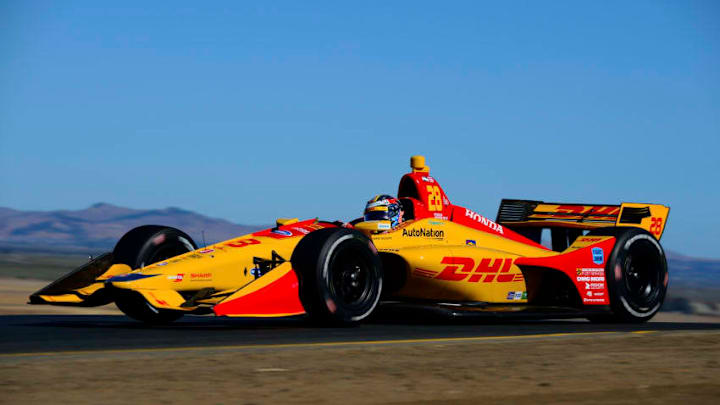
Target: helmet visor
(377, 216)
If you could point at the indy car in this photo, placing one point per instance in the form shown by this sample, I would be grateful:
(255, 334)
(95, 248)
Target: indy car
(601, 262)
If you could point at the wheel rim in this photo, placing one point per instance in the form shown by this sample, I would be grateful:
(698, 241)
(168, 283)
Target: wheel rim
(642, 274)
(351, 279)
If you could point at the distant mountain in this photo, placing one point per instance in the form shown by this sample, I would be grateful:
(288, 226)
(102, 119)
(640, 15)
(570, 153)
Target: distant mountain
(98, 227)
(693, 272)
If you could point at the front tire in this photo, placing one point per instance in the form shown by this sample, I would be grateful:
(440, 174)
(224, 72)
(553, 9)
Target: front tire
(637, 276)
(141, 247)
(340, 275)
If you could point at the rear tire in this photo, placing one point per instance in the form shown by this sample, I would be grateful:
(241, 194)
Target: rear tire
(340, 275)
(636, 274)
(141, 247)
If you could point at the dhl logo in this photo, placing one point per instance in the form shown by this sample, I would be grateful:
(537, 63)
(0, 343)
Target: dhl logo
(570, 212)
(589, 209)
(488, 270)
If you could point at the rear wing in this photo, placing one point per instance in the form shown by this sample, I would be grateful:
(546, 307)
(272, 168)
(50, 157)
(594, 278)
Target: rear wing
(525, 213)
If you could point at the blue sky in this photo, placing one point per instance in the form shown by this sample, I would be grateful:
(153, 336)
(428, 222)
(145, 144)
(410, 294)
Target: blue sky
(253, 110)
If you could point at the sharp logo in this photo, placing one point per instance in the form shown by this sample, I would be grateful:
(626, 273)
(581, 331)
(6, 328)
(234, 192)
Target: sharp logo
(423, 233)
(488, 270)
(482, 220)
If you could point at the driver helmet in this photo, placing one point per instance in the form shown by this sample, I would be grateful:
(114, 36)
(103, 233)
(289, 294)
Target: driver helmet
(384, 207)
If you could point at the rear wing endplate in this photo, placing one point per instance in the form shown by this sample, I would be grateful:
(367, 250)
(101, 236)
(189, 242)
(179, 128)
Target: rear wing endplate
(527, 213)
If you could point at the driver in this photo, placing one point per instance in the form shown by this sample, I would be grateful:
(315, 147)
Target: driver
(384, 207)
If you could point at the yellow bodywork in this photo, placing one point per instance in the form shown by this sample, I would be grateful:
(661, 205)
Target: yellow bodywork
(426, 243)
(654, 223)
(225, 267)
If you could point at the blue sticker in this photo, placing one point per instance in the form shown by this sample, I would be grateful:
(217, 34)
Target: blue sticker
(511, 295)
(282, 232)
(598, 255)
(470, 242)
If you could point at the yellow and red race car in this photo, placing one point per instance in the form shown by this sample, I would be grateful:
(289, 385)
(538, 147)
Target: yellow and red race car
(605, 263)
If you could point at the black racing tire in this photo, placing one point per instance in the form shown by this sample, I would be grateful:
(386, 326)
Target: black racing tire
(138, 248)
(340, 275)
(148, 244)
(636, 274)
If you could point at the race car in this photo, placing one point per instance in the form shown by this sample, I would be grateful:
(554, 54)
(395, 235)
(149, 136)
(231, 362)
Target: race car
(417, 250)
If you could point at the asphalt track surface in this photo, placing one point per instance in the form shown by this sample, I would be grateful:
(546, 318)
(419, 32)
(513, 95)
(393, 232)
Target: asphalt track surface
(68, 333)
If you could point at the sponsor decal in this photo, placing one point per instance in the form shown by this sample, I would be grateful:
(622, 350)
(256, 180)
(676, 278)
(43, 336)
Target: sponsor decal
(424, 233)
(590, 278)
(302, 230)
(592, 271)
(439, 215)
(470, 242)
(588, 300)
(588, 210)
(281, 232)
(598, 256)
(524, 295)
(382, 226)
(200, 276)
(488, 270)
(482, 220)
(177, 277)
(590, 240)
(431, 222)
(428, 179)
(206, 251)
(162, 264)
(516, 295)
